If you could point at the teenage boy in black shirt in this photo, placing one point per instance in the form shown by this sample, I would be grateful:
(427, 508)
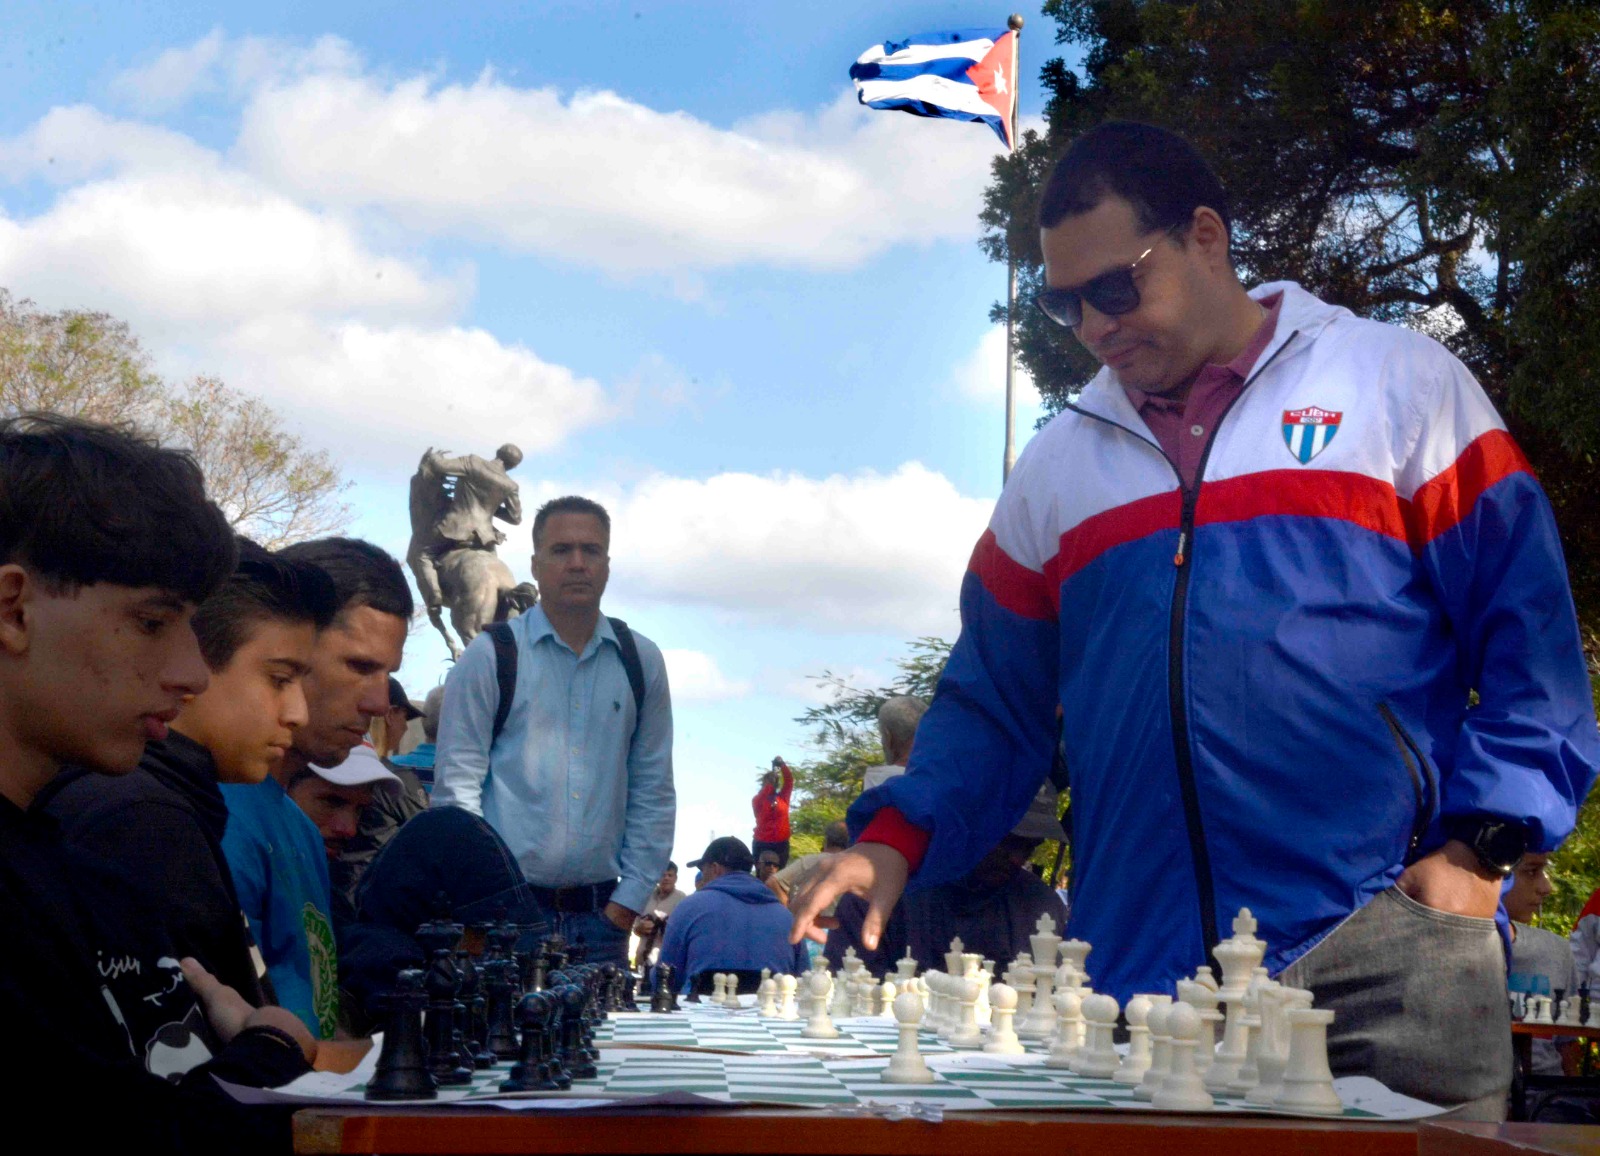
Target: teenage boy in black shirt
(162, 825)
(107, 543)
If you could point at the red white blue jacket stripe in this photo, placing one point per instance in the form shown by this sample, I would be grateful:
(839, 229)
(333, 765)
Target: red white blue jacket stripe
(1282, 719)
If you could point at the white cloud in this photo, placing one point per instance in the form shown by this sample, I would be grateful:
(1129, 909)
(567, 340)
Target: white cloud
(219, 64)
(174, 76)
(598, 179)
(197, 249)
(861, 553)
(695, 677)
(74, 142)
(982, 376)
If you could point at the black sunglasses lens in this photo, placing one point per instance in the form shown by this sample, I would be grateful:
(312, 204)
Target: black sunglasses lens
(1113, 293)
(1063, 306)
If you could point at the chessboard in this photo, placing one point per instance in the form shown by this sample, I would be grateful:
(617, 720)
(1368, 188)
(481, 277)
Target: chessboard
(648, 1059)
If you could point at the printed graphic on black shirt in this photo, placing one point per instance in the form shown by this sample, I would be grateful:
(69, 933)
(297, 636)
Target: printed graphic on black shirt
(157, 1010)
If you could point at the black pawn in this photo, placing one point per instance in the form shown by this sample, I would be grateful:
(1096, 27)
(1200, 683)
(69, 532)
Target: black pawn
(444, 1060)
(477, 1009)
(497, 980)
(574, 1050)
(663, 999)
(402, 1072)
(531, 1072)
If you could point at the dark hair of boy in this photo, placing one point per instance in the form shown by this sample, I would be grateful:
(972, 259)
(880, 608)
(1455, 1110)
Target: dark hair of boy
(571, 504)
(1161, 175)
(89, 514)
(362, 574)
(83, 503)
(264, 586)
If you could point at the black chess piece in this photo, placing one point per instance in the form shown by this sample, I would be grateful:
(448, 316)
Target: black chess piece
(402, 1072)
(476, 1005)
(554, 1021)
(662, 999)
(538, 972)
(444, 1058)
(574, 1051)
(502, 1007)
(555, 950)
(531, 1072)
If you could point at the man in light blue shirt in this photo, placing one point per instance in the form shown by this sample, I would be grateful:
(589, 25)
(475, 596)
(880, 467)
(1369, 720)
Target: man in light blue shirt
(579, 781)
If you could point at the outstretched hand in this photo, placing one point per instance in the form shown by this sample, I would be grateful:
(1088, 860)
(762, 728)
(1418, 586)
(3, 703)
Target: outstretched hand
(229, 1013)
(874, 871)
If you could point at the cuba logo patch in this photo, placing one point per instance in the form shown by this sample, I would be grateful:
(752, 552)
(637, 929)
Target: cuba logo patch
(1308, 431)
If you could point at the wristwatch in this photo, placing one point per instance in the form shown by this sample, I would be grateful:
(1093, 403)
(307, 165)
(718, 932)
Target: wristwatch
(1498, 843)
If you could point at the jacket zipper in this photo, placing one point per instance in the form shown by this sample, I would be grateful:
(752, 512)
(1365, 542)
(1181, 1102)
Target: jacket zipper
(1423, 783)
(1205, 886)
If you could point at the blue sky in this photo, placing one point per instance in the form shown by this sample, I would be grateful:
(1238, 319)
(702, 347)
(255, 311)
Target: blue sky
(659, 246)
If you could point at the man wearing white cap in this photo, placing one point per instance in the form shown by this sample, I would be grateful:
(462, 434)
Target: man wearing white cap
(334, 797)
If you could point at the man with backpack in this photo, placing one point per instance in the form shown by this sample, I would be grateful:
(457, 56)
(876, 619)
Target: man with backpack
(557, 730)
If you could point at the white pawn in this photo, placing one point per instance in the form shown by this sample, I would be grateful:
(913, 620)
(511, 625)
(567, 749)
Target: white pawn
(1204, 1001)
(719, 985)
(1155, 1075)
(907, 1066)
(730, 993)
(1069, 1028)
(819, 1026)
(840, 1007)
(1182, 1090)
(966, 1034)
(1307, 1080)
(1594, 1013)
(1138, 1057)
(786, 1008)
(1003, 1009)
(768, 995)
(1099, 1056)
(1229, 1057)
(887, 994)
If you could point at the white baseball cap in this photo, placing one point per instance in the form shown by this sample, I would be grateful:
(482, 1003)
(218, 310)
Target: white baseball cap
(361, 768)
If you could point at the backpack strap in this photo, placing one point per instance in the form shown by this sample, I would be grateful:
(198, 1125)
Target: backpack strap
(631, 664)
(505, 673)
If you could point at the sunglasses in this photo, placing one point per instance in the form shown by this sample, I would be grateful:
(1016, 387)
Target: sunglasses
(1112, 293)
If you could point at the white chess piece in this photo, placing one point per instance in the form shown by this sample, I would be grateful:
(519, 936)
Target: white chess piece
(1076, 952)
(907, 1066)
(1002, 1037)
(1239, 955)
(1138, 1058)
(1160, 1051)
(1230, 1054)
(952, 958)
(1203, 975)
(1307, 1079)
(1098, 1057)
(1249, 1074)
(819, 1026)
(719, 985)
(730, 993)
(887, 994)
(840, 1005)
(1041, 1021)
(1204, 1001)
(1594, 1013)
(1069, 1030)
(1182, 1090)
(906, 966)
(786, 988)
(768, 997)
(966, 1034)
(1272, 1053)
(1045, 945)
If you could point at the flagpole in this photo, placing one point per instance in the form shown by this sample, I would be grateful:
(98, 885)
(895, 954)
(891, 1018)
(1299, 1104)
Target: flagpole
(1015, 24)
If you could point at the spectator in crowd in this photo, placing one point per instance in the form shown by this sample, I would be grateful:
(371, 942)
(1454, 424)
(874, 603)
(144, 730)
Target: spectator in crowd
(771, 807)
(277, 854)
(1541, 961)
(389, 809)
(335, 798)
(732, 923)
(766, 866)
(388, 733)
(162, 825)
(650, 925)
(994, 908)
(573, 766)
(107, 544)
(1585, 942)
(897, 727)
(417, 764)
(835, 838)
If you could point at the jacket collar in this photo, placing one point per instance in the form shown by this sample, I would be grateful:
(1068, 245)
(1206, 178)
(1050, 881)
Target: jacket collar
(185, 767)
(1300, 314)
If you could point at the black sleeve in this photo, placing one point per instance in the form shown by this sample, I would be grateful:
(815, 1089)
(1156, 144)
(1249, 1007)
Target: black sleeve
(116, 1105)
(164, 847)
(851, 913)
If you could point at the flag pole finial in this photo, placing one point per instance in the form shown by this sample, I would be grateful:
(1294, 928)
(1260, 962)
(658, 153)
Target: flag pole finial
(1015, 22)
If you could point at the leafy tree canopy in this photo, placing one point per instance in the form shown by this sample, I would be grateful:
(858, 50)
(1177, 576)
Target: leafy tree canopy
(90, 365)
(1431, 163)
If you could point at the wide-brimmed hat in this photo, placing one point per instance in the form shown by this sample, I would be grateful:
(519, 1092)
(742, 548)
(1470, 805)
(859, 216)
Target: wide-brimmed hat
(1040, 821)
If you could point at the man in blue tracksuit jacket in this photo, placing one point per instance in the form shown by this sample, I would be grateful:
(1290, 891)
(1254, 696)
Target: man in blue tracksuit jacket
(734, 922)
(1302, 605)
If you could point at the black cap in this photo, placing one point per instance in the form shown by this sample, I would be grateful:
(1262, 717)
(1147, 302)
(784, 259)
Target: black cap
(728, 852)
(397, 697)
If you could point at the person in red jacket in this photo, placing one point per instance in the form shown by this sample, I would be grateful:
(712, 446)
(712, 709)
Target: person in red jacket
(771, 806)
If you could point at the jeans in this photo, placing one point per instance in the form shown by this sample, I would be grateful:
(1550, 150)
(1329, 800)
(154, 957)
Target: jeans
(606, 942)
(1420, 997)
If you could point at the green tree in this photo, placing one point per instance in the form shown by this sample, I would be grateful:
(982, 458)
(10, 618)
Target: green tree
(1428, 162)
(90, 365)
(844, 734)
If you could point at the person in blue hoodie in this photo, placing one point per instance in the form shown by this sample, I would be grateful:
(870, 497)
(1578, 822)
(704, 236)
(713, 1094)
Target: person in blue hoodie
(733, 922)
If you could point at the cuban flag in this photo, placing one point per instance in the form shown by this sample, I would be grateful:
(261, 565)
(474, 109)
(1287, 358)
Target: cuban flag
(1308, 431)
(966, 75)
